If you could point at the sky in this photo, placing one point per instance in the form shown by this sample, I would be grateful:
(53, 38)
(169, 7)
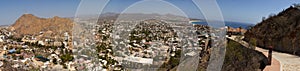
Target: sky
(245, 11)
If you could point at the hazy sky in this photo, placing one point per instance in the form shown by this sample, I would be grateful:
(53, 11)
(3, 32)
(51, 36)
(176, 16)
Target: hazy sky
(248, 11)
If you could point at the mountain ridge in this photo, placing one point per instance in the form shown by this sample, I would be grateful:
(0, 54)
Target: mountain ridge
(29, 24)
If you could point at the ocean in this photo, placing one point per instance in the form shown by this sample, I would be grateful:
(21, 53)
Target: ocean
(230, 24)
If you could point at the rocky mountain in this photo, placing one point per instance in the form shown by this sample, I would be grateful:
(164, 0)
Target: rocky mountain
(29, 24)
(281, 31)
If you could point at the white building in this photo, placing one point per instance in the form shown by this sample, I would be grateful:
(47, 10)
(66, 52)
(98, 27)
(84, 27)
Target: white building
(2, 38)
(139, 60)
(41, 43)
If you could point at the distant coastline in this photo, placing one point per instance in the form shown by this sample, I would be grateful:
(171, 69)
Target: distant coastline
(230, 24)
(4, 25)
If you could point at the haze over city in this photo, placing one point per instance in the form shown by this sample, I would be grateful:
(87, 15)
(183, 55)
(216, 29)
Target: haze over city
(232, 10)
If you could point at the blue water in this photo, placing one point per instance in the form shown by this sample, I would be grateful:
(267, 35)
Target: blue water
(230, 24)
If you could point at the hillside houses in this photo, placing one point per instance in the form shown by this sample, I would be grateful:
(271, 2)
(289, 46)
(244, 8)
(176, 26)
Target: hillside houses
(235, 31)
(29, 39)
(46, 40)
(4, 34)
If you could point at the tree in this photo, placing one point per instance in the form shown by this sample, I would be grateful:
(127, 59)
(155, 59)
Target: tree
(63, 45)
(252, 43)
(101, 47)
(18, 51)
(54, 61)
(271, 15)
(264, 18)
(66, 57)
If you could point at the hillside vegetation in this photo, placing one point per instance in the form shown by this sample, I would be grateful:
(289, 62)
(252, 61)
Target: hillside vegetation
(280, 31)
(240, 58)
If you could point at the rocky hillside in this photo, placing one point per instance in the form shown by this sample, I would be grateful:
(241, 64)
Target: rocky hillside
(281, 31)
(29, 24)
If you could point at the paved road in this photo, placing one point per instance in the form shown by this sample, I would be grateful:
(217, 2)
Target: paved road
(275, 66)
(287, 62)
